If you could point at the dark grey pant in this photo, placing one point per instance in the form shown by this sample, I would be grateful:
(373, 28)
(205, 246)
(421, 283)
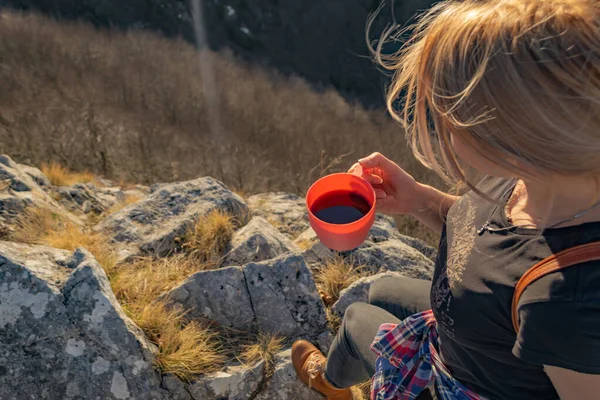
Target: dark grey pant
(351, 360)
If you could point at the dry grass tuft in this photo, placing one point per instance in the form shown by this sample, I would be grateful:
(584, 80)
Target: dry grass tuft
(264, 349)
(208, 239)
(334, 321)
(362, 391)
(61, 176)
(304, 244)
(43, 226)
(335, 276)
(187, 351)
(129, 199)
(141, 282)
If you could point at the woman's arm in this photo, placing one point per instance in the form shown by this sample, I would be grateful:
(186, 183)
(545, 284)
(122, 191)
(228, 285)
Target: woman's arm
(434, 207)
(572, 385)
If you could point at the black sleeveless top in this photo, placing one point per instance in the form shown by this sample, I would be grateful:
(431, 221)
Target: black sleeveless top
(471, 296)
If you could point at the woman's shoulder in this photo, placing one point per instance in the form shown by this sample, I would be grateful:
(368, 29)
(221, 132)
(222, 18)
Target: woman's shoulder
(495, 186)
(578, 284)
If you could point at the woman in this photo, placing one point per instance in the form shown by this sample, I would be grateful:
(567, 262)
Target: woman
(510, 88)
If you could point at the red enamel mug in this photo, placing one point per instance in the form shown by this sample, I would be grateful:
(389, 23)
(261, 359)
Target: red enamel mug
(358, 193)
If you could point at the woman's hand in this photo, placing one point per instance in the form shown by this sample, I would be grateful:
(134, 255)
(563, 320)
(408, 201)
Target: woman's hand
(397, 192)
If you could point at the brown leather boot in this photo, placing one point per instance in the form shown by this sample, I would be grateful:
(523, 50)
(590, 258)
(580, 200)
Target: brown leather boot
(309, 363)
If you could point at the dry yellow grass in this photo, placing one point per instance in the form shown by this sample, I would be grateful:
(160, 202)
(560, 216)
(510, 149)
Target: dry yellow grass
(209, 237)
(43, 226)
(304, 244)
(362, 391)
(129, 199)
(61, 176)
(334, 276)
(264, 349)
(141, 282)
(187, 351)
(334, 321)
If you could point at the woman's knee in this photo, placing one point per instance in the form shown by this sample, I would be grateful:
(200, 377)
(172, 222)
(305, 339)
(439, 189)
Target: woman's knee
(400, 295)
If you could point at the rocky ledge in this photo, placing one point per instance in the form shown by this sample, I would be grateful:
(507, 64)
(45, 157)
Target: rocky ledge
(64, 335)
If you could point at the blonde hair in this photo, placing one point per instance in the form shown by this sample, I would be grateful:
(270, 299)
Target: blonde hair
(513, 79)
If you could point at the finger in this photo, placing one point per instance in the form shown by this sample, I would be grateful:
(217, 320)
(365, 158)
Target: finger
(380, 194)
(376, 160)
(353, 168)
(372, 179)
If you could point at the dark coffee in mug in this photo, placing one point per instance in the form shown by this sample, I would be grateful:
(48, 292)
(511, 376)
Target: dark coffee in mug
(340, 207)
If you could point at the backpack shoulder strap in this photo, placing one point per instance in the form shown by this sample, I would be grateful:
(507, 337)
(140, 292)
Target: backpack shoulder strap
(556, 262)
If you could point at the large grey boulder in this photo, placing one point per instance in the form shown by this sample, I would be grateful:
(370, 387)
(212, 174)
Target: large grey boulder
(19, 190)
(234, 383)
(284, 384)
(286, 211)
(393, 255)
(276, 296)
(154, 225)
(62, 333)
(217, 296)
(358, 292)
(285, 298)
(257, 241)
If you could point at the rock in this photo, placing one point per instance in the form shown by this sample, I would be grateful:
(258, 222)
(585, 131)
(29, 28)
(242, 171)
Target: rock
(284, 384)
(285, 298)
(318, 254)
(257, 241)
(62, 333)
(153, 225)
(218, 295)
(393, 255)
(277, 296)
(176, 388)
(19, 190)
(324, 341)
(86, 197)
(357, 292)
(235, 383)
(286, 211)
(37, 175)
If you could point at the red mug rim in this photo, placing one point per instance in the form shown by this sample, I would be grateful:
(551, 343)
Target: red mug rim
(371, 210)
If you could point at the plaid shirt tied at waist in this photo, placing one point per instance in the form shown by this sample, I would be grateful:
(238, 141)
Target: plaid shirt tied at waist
(409, 362)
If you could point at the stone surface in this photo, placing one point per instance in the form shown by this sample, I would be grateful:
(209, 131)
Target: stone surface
(218, 295)
(393, 255)
(19, 190)
(285, 298)
(154, 225)
(37, 175)
(324, 341)
(286, 211)
(257, 241)
(284, 384)
(234, 383)
(62, 333)
(277, 296)
(358, 292)
(176, 388)
(88, 198)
